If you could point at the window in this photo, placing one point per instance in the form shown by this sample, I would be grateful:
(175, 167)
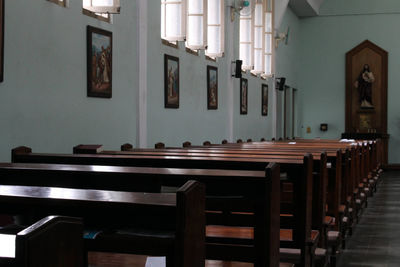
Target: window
(196, 32)
(101, 9)
(268, 33)
(59, 2)
(173, 20)
(258, 38)
(102, 6)
(246, 37)
(200, 23)
(215, 28)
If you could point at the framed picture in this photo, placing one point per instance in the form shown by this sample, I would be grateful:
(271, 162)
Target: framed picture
(264, 99)
(171, 81)
(212, 87)
(243, 95)
(1, 40)
(99, 62)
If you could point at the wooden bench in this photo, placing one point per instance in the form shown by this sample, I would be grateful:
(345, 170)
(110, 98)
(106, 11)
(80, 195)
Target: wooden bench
(320, 180)
(300, 169)
(54, 241)
(236, 191)
(340, 184)
(123, 222)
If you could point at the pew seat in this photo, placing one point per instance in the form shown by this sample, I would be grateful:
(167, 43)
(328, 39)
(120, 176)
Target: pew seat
(246, 235)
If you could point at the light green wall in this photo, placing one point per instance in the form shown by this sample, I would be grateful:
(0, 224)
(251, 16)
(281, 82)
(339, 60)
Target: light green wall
(43, 101)
(324, 43)
(351, 7)
(192, 121)
(286, 66)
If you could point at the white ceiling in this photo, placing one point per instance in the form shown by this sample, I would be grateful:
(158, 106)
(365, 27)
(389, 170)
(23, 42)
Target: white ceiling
(305, 8)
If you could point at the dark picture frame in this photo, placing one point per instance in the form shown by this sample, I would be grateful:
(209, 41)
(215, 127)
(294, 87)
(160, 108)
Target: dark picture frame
(264, 100)
(2, 40)
(244, 91)
(99, 62)
(212, 87)
(171, 81)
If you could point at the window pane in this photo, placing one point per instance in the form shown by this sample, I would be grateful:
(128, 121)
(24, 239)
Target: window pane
(214, 11)
(86, 2)
(173, 18)
(258, 37)
(102, 2)
(245, 30)
(268, 22)
(268, 43)
(258, 60)
(214, 40)
(195, 33)
(245, 55)
(195, 6)
(258, 14)
(268, 62)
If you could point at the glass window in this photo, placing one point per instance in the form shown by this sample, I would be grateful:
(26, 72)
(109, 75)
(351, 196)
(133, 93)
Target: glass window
(215, 28)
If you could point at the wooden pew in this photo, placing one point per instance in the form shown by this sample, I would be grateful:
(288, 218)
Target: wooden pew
(54, 241)
(340, 195)
(320, 221)
(320, 182)
(235, 191)
(300, 235)
(124, 221)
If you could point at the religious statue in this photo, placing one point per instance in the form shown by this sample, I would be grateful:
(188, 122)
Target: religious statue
(364, 87)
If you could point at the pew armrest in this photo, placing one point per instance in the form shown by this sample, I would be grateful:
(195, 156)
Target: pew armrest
(191, 229)
(53, 240)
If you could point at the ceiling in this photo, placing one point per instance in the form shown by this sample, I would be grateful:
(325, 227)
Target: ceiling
(305, 8)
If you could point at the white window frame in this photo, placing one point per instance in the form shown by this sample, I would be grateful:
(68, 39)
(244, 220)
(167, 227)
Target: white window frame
(262, 48)
(62, 3)
(269, 8)
(114, 9)
(202, 46)
(222, 31)
(251, 18)
(172, 39)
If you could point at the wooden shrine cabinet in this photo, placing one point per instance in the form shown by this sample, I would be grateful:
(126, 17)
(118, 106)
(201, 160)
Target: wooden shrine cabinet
(366, 93)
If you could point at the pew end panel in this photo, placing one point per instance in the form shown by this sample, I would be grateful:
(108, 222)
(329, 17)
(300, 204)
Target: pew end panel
(126, 147)
(53, 241)
(302, 195)
(19, 150)
(190, 230)
(87, 149)
(268, 237)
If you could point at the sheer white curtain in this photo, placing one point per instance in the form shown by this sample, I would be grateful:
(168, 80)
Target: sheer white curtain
(215, 28)
(246, 38)
(196, 33)
(173, 20)
(102, 6)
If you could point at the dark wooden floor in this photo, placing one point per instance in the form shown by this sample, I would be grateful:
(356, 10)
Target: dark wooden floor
(376, 239)
(125, 260)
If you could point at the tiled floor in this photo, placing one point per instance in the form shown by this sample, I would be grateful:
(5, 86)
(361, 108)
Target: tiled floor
(376, 238)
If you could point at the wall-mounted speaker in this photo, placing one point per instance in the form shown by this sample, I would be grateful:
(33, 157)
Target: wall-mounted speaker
(237, 68)
(280, 83)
